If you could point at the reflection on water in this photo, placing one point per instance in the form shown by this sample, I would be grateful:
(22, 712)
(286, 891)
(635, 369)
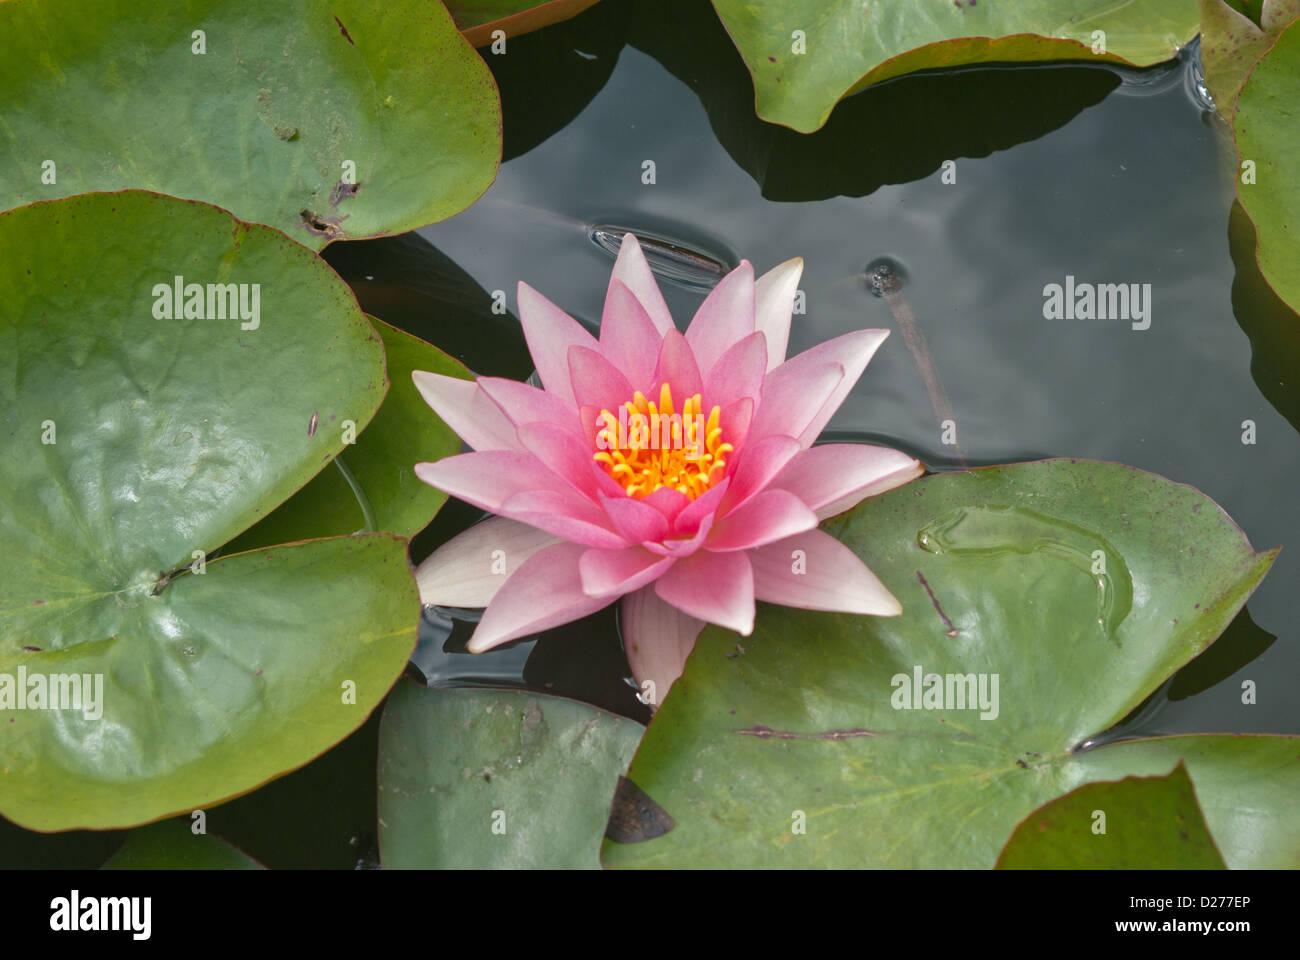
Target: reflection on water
(583, 660)
(1272, 326)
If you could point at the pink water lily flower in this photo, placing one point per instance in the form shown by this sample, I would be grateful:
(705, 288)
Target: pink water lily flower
(675, 472)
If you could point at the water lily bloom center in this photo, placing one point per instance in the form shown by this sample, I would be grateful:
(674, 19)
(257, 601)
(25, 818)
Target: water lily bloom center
(649, 446)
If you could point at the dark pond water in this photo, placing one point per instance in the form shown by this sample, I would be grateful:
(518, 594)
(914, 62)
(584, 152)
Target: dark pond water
(1065, 170)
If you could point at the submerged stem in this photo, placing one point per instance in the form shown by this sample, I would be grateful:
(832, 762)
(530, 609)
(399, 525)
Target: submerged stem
(920, 351)
(363, 501)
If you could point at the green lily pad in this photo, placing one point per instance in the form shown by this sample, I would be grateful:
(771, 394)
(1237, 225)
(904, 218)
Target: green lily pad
(172, 845)
(372, 486)
(137, 445)
(1138, 823)
(807, 728)
(1266, 127)
(1231, 42)
(496, 778)
(337, 122)
(846, 48)
(1254, 9)
(477, 19)
(1246, 786)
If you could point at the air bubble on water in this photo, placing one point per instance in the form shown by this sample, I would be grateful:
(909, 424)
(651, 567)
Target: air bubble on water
(884, 276)
(1201, 95)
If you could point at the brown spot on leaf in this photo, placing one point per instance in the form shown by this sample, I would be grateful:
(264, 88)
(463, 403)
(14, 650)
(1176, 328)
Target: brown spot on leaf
(346, 35)
(342, 190)
(767, 733)
(322, 226)
(951, 631)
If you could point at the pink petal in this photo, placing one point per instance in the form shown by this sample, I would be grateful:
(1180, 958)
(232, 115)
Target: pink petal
(693, 524)
(774, 295)
(487, 480)
(635, 520)
(523, 404)
(632, 270)
(469, 411)
(590, 422)
(657, 638)
(716, 587)
(566, 514)
(735, 421)
(676, 366)
(628, 336)
(605, 483)
(668, 502)
(832, 577)
(852, 351)
(792, 397)
(758, 464)
(769, 516)
(597, 382)
(550, 332)
(683, 546)
(833, 477)
(544, 592)
(705, 505)
(738, 373)
(469, 569)
(725, 317)
(564, 453)
(612, 573)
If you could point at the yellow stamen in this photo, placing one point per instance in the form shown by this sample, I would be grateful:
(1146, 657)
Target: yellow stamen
(661, 448)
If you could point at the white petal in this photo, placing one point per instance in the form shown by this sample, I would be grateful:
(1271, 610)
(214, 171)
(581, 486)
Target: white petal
(543, 593)
(470, 412)
(833, 477)
(814, 571)
(466, 571)
(657, 638)
(773, 305)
